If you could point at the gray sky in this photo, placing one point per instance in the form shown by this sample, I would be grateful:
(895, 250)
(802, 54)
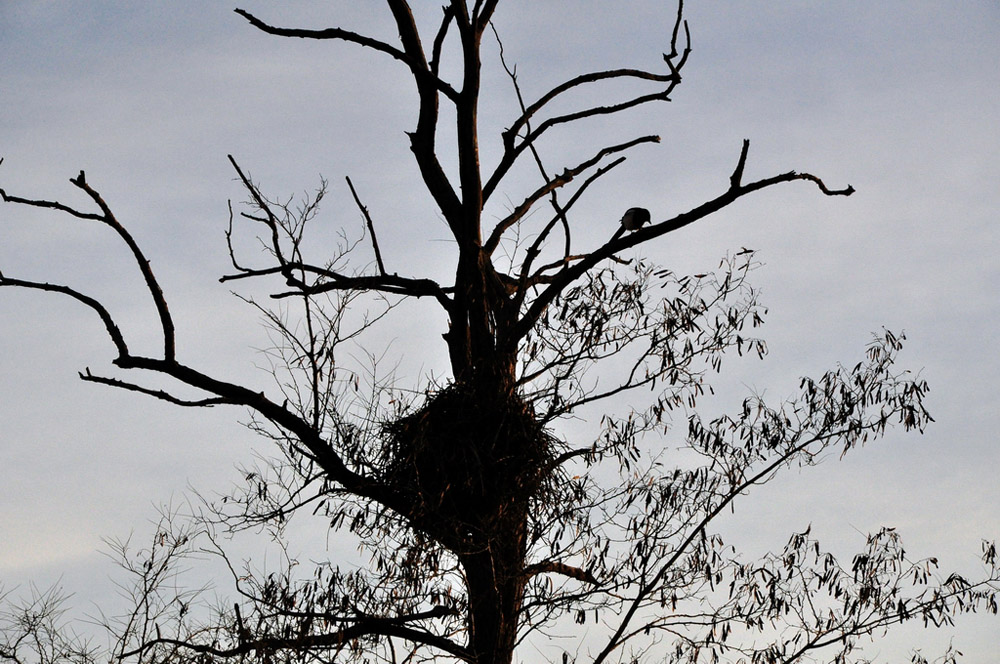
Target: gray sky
(898, 98)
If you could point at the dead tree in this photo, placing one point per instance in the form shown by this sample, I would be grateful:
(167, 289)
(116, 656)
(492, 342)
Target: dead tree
(483, 525)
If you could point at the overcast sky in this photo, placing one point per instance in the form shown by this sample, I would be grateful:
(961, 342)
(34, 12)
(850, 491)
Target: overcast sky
(898, 98)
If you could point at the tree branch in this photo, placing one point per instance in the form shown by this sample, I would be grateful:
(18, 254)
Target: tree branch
(54, 205)
(107, 218)
(573, 272)
(527, 280)
(371, 227)
(109, 324)
(366, 626)
(415, 66)
(564, 178)
(158, 394)
(387, 283)
(788, 444)
(555, 567)
(512, 151)
(446, 21)
(423, 138)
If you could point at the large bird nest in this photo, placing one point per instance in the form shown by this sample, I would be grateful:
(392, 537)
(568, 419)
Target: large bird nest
(466, 458)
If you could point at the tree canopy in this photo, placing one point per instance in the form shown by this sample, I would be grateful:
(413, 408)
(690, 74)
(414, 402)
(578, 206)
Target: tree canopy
(483, 527)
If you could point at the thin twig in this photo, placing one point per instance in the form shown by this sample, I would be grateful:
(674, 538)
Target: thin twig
(371, 227)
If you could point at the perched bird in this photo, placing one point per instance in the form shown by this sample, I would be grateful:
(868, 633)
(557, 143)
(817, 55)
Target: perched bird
(634, 218)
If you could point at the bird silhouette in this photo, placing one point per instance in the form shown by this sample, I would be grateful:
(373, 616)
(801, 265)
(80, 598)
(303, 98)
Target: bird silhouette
(633, 219)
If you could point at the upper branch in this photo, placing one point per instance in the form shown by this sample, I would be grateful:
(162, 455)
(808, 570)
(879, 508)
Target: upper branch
(514, 150)
(109, 324)
(560, 210)
(736, 191)
(424, 138)
(582, 79)
(446, 21)
(108, 218)
(54, 205)
(482, 13)
(554, 183)
(291, 266)
(416, 66)
(526, 278)
(674, 60)
(383, 283)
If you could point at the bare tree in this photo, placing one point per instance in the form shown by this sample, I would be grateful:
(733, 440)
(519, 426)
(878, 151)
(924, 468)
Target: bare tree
(482, 527)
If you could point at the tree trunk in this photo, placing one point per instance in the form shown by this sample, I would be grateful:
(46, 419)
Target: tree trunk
(480, 318)
(494, 578)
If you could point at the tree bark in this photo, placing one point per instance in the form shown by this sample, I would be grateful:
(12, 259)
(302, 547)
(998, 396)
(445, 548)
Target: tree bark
(495, 583)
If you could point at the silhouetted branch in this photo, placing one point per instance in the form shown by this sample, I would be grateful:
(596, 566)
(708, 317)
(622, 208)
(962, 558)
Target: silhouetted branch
(108, 218)
(416, 67)
(833, 410)
(166, 323)
(446, 20)
(520, 285)
(334, 641)
(560, 180)
(109, 324)
(54, 205)
(158, 394)
(371, 227)
(554, 567)
(736, 180)
(524, 280)
(294, 270)
(655, 230)
(513, 149)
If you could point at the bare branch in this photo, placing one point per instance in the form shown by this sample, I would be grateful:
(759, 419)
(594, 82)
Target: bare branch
(482, 13)
(294, 270)
(54, 205)
(514, 150)
(388, 283)
(446, 21)
(416, 66)
(577, 81)
(736, 180)
(166, 323)
(108, 218)
(555, 567)
(539, 277)
(158, 394)
(371, 227)
(573, 272)
(560, 211)
(109, 324)
(560, 180)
